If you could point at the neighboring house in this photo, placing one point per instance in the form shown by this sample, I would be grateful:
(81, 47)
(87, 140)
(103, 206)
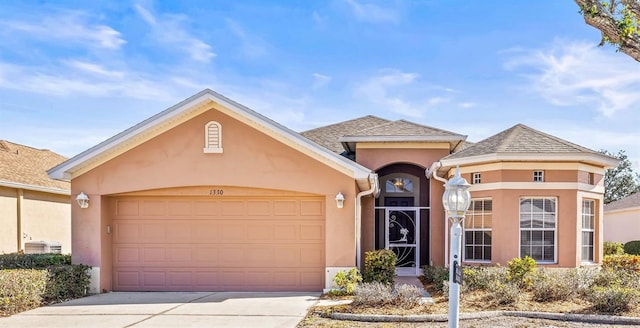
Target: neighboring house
(622, 219)
(33, 207)
(210, 195)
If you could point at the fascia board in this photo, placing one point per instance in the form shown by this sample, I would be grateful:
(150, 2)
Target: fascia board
(400, 138)
(605, 161)
(17, 185)
(64, 171)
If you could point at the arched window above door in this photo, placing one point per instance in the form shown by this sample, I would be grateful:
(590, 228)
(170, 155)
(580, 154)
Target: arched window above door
(398, 185)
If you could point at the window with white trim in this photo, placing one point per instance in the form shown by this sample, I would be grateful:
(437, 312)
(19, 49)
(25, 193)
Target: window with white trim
(588, 229)
(477, 231)
(213, 137)
(476, 178)
(538, 237)
(538, 176)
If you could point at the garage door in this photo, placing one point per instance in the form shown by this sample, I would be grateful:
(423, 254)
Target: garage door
(230, 244)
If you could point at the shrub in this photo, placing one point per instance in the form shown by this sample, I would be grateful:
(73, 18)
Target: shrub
(380, 266)
(378, 294)
(521, 271)
(483, 278)
(21, 290)
(613, 299)
(348, 280)
(67, 282)
(407, 296)
(372, 294)
(555, 286)
(435, 275)
(622, 262)
(505, 293)
(632, 247)
(613, 248)
(32, 261)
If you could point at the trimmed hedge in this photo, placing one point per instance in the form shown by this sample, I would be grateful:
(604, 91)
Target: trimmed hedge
(622, 262)
(32, 261)
(632, 247)
(28, 281)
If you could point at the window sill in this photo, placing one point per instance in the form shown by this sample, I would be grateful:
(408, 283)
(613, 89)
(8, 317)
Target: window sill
(212, 150)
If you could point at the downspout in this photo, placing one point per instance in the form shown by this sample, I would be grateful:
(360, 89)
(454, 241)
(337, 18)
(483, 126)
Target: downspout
(432, 172)
(19, 207)
(375, 188)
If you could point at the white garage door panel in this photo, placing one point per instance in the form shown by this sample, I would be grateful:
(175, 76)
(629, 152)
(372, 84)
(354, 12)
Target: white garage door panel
(237, 244)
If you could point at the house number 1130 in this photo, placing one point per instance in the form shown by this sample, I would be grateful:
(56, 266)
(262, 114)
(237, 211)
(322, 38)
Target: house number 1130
(216, 192)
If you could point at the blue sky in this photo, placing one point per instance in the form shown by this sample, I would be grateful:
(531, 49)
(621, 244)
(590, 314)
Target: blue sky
(73, 73)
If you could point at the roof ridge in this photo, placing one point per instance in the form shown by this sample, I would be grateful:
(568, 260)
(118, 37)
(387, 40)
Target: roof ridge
(511, 134)
(429, 127)
(347, 121)
(558, 139)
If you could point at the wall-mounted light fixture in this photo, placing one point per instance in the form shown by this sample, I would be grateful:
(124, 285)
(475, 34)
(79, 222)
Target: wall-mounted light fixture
(83, 200)
(340, 200)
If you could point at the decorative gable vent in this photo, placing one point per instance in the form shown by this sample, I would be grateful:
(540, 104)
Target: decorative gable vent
(213, 137)
(39, 247)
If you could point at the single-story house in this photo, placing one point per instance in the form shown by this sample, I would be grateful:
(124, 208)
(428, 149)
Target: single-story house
(210, 195)
(622, 219)
(35, 210)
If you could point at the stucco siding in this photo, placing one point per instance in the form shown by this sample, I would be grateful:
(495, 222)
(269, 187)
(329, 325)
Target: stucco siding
(251, 161)
(622, 226)
(8, 220)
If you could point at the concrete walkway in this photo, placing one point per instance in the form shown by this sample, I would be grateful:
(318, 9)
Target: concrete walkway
(169, 309)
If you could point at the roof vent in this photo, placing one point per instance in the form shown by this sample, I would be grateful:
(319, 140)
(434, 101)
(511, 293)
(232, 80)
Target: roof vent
(40, 247)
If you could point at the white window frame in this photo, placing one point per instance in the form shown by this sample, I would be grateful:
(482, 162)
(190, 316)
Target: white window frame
(543, 229)
(481, 215)
(213, 143)
(538, 176)
(592, 217)
(476, 178)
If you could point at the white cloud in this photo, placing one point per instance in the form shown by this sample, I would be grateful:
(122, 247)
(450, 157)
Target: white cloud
(386, 90)
(577, 73)
(70, 27)
(171, 31)
(466, 104)
(251, 46)
(94, 69)
(372, 13)
(320, 80)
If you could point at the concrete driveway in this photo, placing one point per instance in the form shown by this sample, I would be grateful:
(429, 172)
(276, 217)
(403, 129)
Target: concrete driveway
(171, 309)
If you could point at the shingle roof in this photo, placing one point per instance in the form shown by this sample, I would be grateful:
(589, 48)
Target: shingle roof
(327, 136)
(520, 139)
(630, 201)
(401, 128)
(25, 165)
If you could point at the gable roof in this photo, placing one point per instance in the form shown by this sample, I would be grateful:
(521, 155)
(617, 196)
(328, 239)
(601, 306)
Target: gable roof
(328, 136)
(25, 167)
(628, 202)
(521, 142)
(183, 111)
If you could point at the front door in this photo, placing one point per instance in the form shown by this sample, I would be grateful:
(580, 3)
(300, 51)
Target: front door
(402, 231)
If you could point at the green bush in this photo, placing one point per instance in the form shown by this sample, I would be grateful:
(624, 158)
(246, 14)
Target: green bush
(613, 299)
(521, 271)
(67, 282)
(632, 247)
(347, 280)
(435, 275)
(21, 290)
(380, 266)
(32, 261)
(555, 286)
(483, 278)
(613, 248)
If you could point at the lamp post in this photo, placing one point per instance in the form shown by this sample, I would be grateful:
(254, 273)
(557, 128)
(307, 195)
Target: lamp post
(456, 199)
